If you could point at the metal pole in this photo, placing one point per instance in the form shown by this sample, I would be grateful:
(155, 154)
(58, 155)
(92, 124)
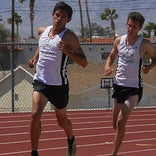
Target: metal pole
(12, 57)
(109, 98)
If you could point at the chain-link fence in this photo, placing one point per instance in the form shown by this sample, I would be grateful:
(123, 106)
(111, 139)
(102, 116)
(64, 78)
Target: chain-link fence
(85, 83)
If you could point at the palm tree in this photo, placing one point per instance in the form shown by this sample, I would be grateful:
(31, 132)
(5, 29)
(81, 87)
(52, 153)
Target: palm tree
(90, 28)
(31, 6)
(151, 26)
(81, 19)
(17, 20)
(110, 15)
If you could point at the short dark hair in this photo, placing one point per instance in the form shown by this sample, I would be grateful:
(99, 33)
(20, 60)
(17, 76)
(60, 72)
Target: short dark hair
(136, 16)
(64, 7)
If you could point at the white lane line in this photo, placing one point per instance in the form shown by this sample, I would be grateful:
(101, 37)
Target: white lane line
(86, 145)
(84, 136)
(131, 152)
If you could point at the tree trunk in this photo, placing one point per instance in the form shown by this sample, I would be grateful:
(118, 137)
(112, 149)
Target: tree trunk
(81, 19)
(90, 28)
(31, 5)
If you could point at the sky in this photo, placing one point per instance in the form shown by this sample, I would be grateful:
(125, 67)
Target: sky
(43, 10)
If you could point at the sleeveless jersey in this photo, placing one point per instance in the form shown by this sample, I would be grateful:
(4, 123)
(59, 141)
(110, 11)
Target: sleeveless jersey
(51, 65)
(128, 71)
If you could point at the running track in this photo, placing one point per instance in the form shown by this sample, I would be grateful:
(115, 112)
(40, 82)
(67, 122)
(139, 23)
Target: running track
(93, 131)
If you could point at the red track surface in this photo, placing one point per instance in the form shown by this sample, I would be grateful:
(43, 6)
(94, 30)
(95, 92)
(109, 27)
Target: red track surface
(93, 131)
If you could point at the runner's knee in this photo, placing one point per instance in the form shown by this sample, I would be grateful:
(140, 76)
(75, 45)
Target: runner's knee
(122, 120)
(62, 122)
(35, 116)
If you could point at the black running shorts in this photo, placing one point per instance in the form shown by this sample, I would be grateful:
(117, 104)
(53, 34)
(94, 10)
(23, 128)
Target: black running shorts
(57, 95)
(122, 93)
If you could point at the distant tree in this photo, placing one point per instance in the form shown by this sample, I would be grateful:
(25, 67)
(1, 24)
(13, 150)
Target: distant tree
(81, 19)
(111, 15)
(155, 31)
(4, 51)
(97, 30)
(149, 28)
(21, 1)
(89, 24)
(4, 33)
(31, 7)
(145, 35)
(1, 18)
(18, 20)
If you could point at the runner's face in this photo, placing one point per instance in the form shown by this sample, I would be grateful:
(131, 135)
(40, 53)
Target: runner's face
(60, 18)
(132, 27)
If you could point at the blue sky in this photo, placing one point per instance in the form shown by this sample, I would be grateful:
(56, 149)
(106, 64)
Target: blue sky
(43, 9)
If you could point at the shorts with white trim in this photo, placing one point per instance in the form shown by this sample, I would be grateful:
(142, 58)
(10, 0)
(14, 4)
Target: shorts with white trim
(122, 93)
(57, 95)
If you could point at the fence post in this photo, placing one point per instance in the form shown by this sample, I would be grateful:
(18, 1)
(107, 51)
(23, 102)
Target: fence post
(12, 57)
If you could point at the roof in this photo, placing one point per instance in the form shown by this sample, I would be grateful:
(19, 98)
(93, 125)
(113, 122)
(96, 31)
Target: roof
(101, 40)
(24, 68)
(111, 40)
